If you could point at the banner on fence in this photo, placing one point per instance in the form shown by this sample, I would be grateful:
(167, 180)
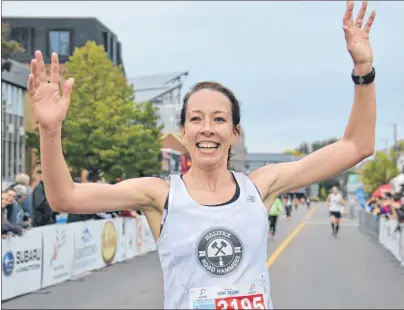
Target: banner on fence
(58, 249)
(87, 246)
(21, 264)
(49, 255)
(109, 240)
(127, 242)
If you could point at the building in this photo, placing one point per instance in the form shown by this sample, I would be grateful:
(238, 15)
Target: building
(61, 35)
(257, 160)
(239, 154)
(16, 118)
(164, 91)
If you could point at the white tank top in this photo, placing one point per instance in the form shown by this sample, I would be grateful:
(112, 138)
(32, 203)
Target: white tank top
(220, 250)
(335, 205)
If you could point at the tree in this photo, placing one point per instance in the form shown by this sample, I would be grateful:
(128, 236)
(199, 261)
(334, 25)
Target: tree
(379, 171)
(316, 145)
(304, 148)
(293, 152)
(8, 48)
(144, 143)
(105, 132)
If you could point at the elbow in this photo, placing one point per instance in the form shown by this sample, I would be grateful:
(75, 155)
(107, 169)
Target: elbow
(364, 153)
(361, 149)
(368, 152)
(61, 206)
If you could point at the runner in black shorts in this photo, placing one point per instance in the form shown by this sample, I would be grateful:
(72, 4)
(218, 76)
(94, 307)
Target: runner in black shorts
(335, 205)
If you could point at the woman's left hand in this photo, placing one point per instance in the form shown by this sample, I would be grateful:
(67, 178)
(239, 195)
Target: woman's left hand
(357, 38)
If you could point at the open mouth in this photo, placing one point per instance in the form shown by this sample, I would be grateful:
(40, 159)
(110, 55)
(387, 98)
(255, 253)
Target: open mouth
(207, 145)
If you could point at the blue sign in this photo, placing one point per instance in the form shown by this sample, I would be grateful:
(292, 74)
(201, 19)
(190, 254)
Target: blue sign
(8, 263)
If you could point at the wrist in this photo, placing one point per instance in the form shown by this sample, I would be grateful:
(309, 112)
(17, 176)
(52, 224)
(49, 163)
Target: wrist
(50, 130)
(363, 68)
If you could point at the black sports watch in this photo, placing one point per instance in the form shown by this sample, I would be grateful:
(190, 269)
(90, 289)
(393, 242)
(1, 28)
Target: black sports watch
(364, 79)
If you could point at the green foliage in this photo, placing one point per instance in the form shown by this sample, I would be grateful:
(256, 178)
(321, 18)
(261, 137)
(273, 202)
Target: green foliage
(8, 47)
(105, 132)
(323, 193)
(293, 152)
(379, 170)
(316, 145)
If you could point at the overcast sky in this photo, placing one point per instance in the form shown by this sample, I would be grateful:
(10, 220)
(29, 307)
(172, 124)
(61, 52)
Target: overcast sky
(287, 62)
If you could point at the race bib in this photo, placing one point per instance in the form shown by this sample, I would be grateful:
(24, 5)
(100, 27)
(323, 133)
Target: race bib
(249, 296)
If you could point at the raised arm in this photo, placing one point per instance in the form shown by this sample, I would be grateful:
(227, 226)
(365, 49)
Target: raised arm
(49, 110)
(358, 141)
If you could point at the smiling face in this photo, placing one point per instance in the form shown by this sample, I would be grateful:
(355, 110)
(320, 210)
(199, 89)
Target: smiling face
(208, 130)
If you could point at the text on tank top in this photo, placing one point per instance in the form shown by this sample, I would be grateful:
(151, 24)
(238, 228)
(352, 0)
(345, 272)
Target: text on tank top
(215, 254)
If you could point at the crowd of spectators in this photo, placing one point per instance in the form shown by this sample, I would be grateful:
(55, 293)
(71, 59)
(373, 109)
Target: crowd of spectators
(388, 204)
(23, 207)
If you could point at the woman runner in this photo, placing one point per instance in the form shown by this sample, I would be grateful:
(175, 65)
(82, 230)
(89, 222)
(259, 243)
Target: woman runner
(213, 243)
(274, 211)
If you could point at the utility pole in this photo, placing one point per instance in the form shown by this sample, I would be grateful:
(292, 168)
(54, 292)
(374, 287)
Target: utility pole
(395, 136)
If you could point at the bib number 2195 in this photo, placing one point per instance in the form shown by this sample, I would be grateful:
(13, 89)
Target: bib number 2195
(255, 301)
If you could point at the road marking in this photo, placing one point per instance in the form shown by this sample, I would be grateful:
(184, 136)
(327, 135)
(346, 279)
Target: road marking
(284, 244)
(310, 212)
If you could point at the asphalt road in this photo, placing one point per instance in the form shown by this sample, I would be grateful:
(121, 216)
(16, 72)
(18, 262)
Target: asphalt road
(314, 271)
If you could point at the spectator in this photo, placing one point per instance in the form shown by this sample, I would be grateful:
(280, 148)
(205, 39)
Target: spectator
(24, 179)
(20, 217)
(42, 212)
(12, 204)
(6, 226)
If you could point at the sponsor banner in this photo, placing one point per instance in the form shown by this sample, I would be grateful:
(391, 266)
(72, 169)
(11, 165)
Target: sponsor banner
(21, 264)
(87, 246)
(121, 228)
(109, 240)
(130, 237)
(58, 249)
(148, 243)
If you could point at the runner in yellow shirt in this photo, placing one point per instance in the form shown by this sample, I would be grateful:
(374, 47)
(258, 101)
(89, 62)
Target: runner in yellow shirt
(276, 208)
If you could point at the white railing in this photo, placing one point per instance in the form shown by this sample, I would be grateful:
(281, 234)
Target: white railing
(52, 254)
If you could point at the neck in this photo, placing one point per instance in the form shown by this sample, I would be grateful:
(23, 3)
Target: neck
(210, 179)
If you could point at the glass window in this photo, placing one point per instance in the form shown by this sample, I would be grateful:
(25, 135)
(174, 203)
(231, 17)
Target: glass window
(59, 42)
(22, 36)
(15, 100)
(20, 102)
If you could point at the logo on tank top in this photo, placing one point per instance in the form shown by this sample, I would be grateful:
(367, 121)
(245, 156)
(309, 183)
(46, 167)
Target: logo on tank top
(219, 251)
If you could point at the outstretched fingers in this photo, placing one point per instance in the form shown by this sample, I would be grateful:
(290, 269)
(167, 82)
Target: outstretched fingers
(361, 14)
(67, 90)
(369, 24)
(54, 68)
(35, 73)
(348, 19)
(40, 66)
(31, 85)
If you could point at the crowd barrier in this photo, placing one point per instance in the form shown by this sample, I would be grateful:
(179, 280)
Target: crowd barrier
(391, 236)
(388, 232)
(48, 255)
(368, 222)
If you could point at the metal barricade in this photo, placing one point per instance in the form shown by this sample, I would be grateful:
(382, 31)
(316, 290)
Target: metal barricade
(368, 222)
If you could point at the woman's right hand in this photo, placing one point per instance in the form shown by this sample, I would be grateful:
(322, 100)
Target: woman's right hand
(49, 107)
